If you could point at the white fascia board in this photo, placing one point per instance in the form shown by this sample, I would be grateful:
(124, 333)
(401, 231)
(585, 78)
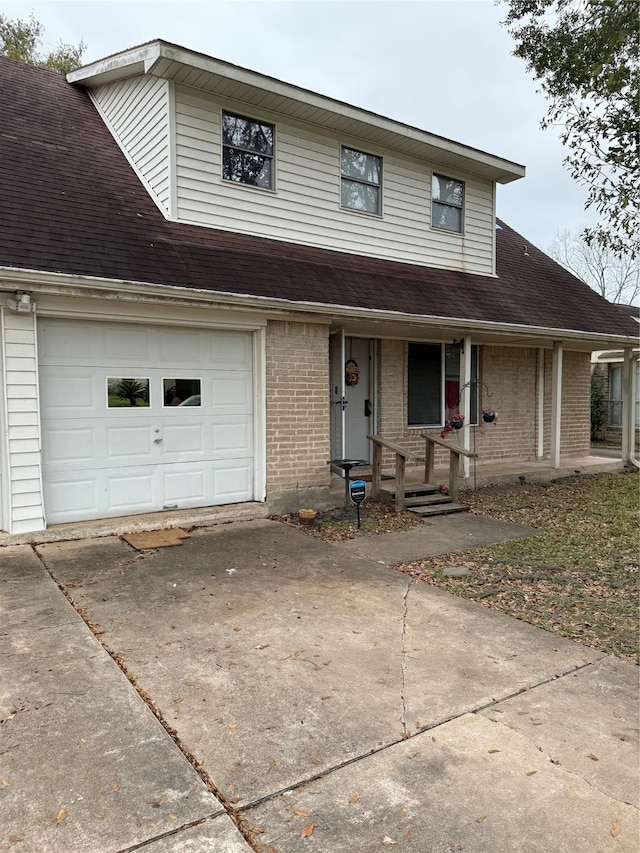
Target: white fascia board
(129, 63)
(64, 284)
(145, 58)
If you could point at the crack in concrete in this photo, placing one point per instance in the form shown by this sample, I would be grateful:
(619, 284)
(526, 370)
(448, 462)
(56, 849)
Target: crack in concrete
(170, 834)
(403, 665)
(236, 815)
(556, 762)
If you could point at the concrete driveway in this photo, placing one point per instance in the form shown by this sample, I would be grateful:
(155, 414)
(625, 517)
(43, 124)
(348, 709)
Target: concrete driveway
(257, 689)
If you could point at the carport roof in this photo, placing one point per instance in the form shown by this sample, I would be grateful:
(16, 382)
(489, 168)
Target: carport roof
(72, 204)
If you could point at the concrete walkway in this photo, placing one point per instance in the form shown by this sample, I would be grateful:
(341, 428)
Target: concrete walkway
(255, 677)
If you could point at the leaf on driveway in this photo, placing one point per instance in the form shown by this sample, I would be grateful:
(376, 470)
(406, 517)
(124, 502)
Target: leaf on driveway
(307, 831)
(301, 812)
(388, 841)
(354, 798)
(491, 751)
(615, 829)
(58, 818)
(593, 757)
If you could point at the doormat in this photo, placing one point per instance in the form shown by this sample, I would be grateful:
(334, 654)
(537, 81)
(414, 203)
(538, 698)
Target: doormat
(145, 540)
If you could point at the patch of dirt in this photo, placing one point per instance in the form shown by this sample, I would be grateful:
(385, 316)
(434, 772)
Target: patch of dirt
(339, 524)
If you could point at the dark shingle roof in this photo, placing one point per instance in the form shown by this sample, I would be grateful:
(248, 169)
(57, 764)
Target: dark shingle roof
(70, 203)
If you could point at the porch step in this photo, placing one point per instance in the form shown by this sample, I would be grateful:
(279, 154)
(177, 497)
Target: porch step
(411, 490)
(438, 509)
(424, 499)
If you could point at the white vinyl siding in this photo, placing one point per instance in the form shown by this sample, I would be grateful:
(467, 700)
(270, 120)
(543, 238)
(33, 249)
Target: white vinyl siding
(137, 113)
(306, 206)
(23, 490)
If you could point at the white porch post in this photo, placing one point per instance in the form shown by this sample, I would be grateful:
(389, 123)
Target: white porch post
(556, 403)
(465, 400)
(540, 451)
(628, 407)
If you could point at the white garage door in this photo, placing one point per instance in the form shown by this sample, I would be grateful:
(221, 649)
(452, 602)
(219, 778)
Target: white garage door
(142, 418)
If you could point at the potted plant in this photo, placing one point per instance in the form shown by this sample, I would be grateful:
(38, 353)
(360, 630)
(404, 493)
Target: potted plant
(457, 421)
(488, 416)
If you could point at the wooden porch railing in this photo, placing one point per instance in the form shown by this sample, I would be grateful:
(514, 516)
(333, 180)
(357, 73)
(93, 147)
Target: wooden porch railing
(455, 452)
(402, 454)
(401, 461)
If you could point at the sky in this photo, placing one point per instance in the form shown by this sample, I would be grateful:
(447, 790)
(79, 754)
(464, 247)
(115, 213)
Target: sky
(445, 66)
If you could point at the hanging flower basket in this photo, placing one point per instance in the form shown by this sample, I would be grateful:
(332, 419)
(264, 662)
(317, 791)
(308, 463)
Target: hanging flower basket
(457, 421)
(488, 416)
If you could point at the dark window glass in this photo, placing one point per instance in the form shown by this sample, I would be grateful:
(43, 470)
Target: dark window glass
(425, 405)
(247, 151)
(447, 197)
(424, 384)
(360, 181)
(181, 392)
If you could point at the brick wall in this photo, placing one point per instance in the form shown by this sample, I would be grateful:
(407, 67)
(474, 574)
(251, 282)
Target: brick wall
(510, 374)
(297, 416)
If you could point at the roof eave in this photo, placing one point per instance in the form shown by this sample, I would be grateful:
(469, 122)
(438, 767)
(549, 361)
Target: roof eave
(64, 284)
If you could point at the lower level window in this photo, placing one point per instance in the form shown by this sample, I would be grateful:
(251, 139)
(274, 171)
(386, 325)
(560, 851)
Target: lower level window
(434, 384)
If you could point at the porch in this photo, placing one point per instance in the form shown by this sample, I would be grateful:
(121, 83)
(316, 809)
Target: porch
(490, 472)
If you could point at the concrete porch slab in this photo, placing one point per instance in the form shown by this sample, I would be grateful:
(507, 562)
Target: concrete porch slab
(439, 535)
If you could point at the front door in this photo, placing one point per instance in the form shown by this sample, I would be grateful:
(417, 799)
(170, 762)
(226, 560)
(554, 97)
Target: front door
(352, 404)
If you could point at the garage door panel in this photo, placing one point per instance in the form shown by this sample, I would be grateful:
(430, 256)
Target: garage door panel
(232, 393)
(70, 494)
(54, 337)
(127, 345)
(104, 461)
(231, 351)
(233, 435)
(182, 439)
(232, 480)
(129, 490)
(70, 444)
(186, 485)
(125, 442)
(181, 347)
(71, 392)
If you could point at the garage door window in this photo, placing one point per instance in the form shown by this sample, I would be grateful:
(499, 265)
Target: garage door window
(181, 392)
(126, 393)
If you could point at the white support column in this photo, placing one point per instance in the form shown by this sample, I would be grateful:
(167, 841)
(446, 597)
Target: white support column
(540, 413)
(628, 407)
(465, 400)
(556, 403)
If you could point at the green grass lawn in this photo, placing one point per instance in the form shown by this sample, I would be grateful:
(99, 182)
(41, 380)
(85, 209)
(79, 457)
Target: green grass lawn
(578, 577)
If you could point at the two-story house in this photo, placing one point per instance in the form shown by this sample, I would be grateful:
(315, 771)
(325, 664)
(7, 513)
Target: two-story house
(213, 282)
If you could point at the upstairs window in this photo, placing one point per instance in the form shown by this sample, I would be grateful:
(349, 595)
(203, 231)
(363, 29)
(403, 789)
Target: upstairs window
(360, 181)
(447, 197)
(247, 151)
